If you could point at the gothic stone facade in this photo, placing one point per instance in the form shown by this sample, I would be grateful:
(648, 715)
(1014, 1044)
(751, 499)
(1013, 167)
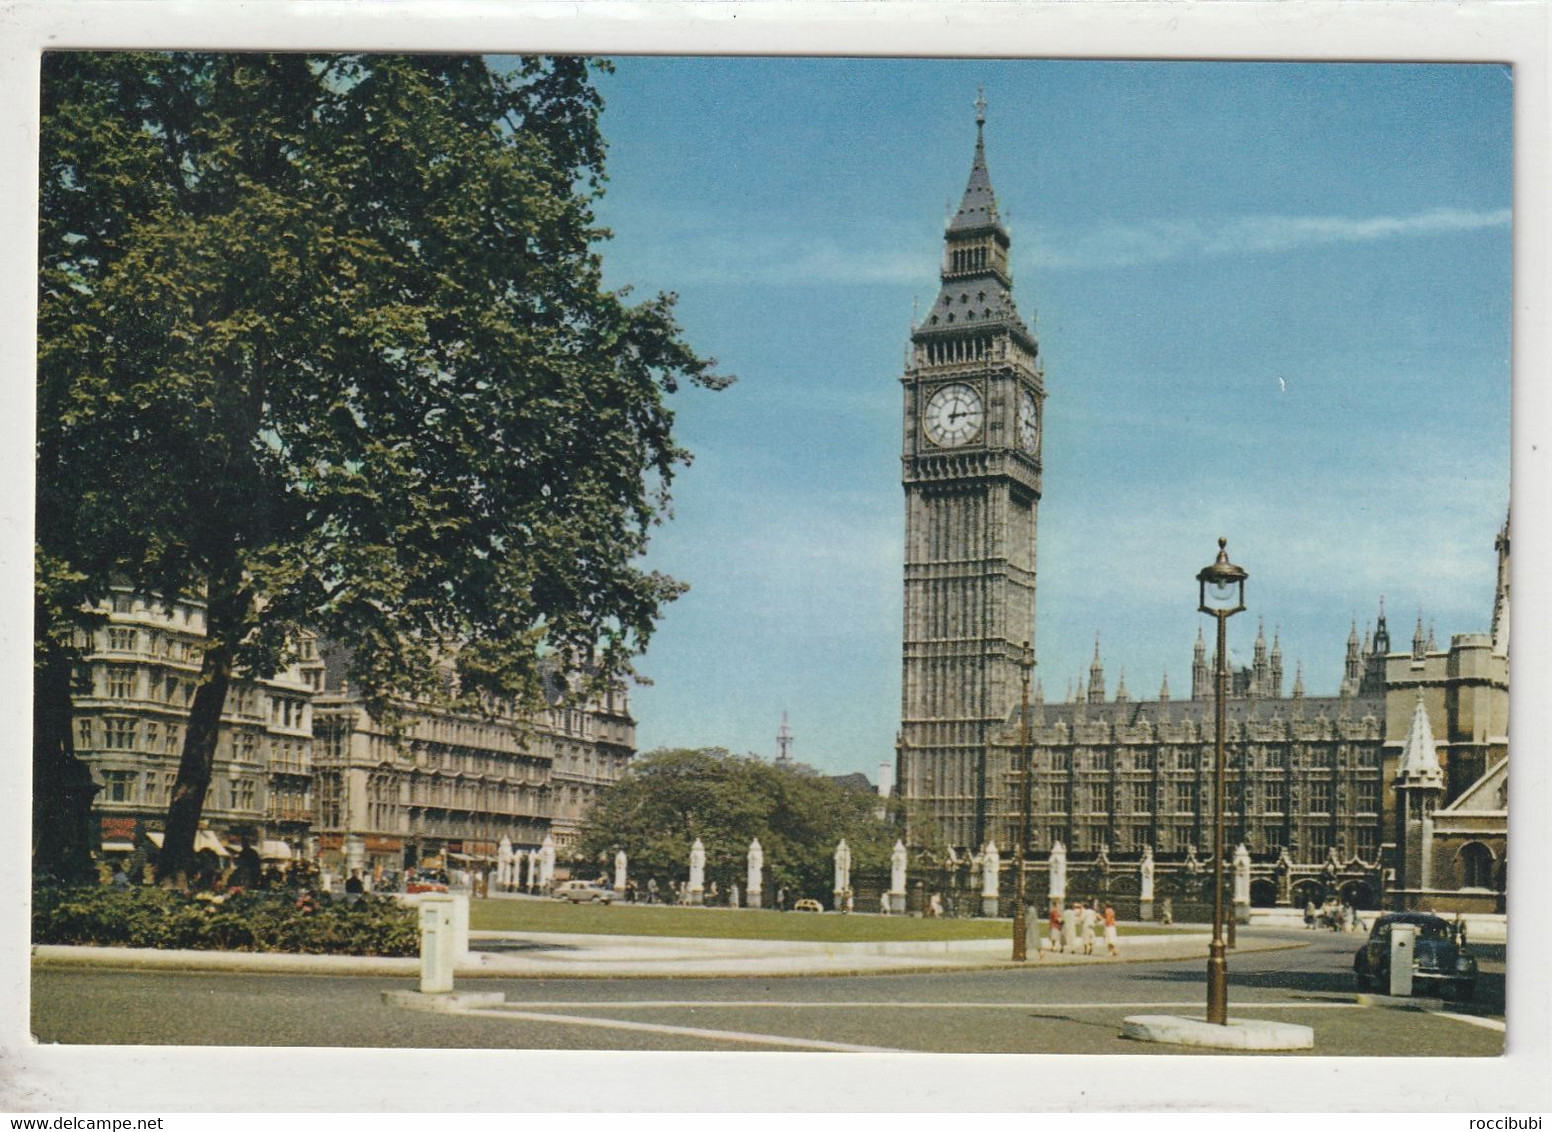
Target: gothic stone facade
(973, 396)
(1312, 788)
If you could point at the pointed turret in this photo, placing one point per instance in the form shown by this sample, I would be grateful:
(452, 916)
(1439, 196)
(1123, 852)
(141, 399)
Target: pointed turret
(1121, 695)
(1419, 642)
(1375, 650)
(1164, 688)
(1096, 676)
(1419, 788)
(1298, 681)
(1501, 593)
(1276, 691)
(1432, 645)
(978, 207)
(1260, 666)
(1419, 764)
(976, 295)
(1352, 666)
(1381, 634)
(1201, 686)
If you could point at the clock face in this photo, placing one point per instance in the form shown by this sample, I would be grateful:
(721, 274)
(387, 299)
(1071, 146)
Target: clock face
(1029, 422)
(953, 416)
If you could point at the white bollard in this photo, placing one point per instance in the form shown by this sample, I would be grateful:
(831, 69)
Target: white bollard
(1403, 942)
(460, 925)
(438, 943)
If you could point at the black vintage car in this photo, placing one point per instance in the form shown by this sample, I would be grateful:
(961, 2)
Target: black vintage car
(1440, 962)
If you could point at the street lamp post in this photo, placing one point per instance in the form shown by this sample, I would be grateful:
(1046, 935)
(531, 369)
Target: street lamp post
(1020, 927)
(1222, 594)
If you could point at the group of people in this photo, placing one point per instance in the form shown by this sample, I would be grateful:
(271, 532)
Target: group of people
(1075, 925)
(1338, 916)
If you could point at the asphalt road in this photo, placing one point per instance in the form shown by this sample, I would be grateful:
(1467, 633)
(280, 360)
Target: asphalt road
(1031, 1010)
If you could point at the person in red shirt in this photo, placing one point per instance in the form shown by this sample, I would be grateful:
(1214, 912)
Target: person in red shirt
(1055, 923)
(1110, 930)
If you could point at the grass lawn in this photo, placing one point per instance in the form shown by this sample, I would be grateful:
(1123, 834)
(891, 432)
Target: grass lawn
(727, 923)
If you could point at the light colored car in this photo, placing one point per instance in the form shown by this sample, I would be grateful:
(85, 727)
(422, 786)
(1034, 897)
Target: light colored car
(584, 892)
(806, 905)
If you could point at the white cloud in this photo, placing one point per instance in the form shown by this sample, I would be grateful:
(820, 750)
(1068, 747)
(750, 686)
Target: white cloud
(774, 257)
(1159, 240)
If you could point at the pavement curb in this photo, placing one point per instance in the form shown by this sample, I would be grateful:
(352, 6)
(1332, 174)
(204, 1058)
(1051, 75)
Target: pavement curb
(46, 956)
(1239, 1033)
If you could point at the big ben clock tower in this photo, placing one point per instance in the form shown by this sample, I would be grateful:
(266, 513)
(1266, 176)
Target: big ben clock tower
(970, 465)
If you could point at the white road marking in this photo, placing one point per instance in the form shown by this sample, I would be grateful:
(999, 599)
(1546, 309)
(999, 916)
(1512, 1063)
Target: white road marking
(684, 1031)
(1473, 1020)
(770, 1004)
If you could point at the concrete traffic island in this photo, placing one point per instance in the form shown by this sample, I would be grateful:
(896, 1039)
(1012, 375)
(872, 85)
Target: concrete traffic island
(444, 1002)
(1240, 1033)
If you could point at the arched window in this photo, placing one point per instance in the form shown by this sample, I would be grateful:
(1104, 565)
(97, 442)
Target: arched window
(1476, 866)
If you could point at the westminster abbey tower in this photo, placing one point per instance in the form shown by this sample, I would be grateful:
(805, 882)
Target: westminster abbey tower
(970, 466)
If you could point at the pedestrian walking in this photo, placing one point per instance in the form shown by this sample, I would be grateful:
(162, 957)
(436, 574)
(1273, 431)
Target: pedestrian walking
(1309, 913)
(1054, 924)
(1110, 931)
(1086, 920)
(883, 903)
(1070, 919)
(652, 890)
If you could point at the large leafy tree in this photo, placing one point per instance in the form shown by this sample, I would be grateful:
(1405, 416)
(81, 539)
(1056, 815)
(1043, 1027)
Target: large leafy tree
(671, 797)
(323, 341)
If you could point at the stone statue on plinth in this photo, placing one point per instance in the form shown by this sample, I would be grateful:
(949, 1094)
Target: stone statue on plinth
(547, 863)
(1056, 872)
(755, 874)
(897, 879)
(697, 883)
(1145, 899)
(621, 864)
(842, 873)
(991, 864)
(1241, 861)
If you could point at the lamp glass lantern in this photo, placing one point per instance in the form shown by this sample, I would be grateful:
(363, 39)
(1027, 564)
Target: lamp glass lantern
(1221, 585)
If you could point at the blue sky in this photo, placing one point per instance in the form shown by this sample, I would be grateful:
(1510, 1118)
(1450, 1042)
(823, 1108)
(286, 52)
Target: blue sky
(1274, 304)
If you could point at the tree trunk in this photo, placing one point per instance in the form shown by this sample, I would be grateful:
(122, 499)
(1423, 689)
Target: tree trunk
(62, 786)
(226, 620)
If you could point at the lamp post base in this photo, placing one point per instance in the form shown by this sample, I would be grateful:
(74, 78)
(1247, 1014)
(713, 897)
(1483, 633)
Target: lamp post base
(1217, 985)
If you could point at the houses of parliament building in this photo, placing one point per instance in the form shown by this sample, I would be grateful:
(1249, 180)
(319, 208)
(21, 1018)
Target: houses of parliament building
(1393, 792)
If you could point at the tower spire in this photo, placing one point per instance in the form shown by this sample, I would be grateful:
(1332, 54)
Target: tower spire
(1096, 676)
(978, 206)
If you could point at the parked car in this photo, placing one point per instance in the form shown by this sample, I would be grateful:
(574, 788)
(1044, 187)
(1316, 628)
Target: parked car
(584, 892)
(1440, 962)
(806, 905)
(426, 880)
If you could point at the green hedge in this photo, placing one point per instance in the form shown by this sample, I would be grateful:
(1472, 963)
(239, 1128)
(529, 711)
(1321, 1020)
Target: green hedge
(243, 921)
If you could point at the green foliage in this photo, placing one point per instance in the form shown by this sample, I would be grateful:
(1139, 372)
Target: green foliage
(324, 339)
(671, 797)
(161, 918)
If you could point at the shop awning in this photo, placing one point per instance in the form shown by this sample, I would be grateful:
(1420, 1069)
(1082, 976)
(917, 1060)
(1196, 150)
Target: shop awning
(204, 841)
(118, 846)
(276, 851)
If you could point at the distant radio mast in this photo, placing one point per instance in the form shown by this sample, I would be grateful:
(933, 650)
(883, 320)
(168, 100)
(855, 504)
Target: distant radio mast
(784, 741)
